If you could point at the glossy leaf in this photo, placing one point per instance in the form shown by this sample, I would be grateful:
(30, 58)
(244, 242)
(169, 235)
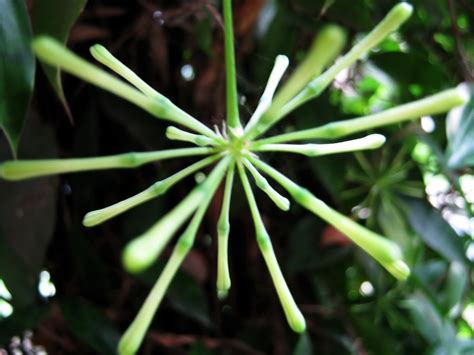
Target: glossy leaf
(435, 231)
(17, 69)
(55, 19)
(27, 217)
(460, 151)
(425, 317)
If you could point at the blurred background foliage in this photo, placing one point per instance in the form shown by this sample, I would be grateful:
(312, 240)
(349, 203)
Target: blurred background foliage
(65, 283)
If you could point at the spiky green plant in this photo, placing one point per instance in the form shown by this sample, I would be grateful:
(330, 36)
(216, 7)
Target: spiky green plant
(236, 150)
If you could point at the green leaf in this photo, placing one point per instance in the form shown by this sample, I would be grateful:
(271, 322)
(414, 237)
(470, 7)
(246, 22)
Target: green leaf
(435, 231)
(371, 334)
(55, 19)
(27, 217)
(188, 297)
(425, 317)
(460, 151)
(90, 325)
(18, 277)
(21, 319)
(454, 288)
(17, 69)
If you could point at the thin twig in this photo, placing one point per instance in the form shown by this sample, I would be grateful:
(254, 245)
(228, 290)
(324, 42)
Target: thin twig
(468, 75)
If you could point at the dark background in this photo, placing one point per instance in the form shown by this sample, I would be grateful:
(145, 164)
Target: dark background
(95, 300)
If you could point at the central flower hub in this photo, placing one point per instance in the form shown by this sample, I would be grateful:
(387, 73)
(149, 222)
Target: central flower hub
(237, 147)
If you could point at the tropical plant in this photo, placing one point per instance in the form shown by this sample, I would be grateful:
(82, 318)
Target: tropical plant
(237, 149)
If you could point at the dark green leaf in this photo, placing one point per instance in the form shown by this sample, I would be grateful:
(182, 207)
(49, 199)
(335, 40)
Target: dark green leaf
(19, 278)
(188, 297)
(20, 320)
(435, 231)
(17, 69)
(425, 317)
(199, 348)
(55, 18)
(27, 217)
(90, 325)
(454, 287)
(371, 334)
(460, 151)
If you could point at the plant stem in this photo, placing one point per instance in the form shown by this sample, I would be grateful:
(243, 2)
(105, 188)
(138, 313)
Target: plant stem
(281, 202)
(223, 229)
(293, 314)
(325, 48)
(102, 55)
(431, 105)
(157, 189)
(177, 134)
(133, 337)
(142, 251)
(372, 141)
(233, 117)
(279, 68)
(24, 169)
(54, 53)
(390, 23)
(386, 252)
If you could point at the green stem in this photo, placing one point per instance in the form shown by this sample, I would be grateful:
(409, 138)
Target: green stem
(223, 229)
(390, 23)
(281, 202)
(176, 134)
(372, 141)
(142, 251)
(133, 337)
(293, 314)
(233, 117)
(279, 68)
(386, 252)
(157, 189)
(54, 53)
(102, 55)
(24, 169)
(431, 105)
(326, 47)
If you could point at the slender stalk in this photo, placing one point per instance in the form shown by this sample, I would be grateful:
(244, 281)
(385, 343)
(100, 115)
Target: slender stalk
(390, 23)
(386, 252)
(431, 105)
(157, 189)
(279, 68)
(223, 229)
(372, 141)
(133, 337)
(54, 53)
(326, 46)
(142, 251)
(176, 134)
(233, 117)
(102, 55)
(25, 169)
(281, 202)
(293, 314)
